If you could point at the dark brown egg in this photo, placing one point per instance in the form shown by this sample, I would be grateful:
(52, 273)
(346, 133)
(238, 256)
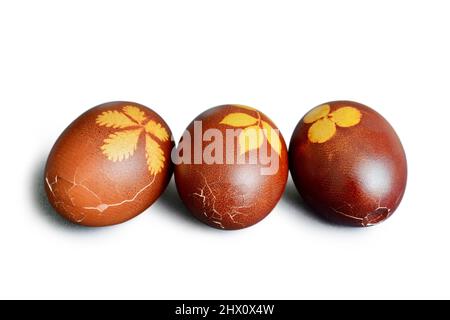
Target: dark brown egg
(348, 163)
(109, 165)
(231, 167)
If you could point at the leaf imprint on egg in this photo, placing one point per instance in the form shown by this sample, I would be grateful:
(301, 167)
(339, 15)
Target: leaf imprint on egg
(254, 131)
(324, 123)
(122, 144)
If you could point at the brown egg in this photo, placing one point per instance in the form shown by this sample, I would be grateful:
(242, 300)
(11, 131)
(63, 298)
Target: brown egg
(348, 163)
(109, 165)
(231, 167)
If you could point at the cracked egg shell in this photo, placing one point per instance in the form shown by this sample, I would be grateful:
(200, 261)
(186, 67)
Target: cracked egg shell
(348, 163)
(227, 194)
(109, 165)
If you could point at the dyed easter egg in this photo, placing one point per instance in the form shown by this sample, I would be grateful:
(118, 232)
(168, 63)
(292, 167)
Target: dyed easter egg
(109, 165)
(348, 163)
(231, 167)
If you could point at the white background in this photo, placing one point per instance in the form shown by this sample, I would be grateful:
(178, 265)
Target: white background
(59, 58)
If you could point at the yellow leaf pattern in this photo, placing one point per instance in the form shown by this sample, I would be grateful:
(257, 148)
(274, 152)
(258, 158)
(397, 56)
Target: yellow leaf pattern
(135, 113)
(317, 113)
(115, 119)
(239, 120)
(251, 138)
(154, 155)
(157, 130)
(121, 145)
(324, 123)
(321, 131)
(273, 137)
(346, 117)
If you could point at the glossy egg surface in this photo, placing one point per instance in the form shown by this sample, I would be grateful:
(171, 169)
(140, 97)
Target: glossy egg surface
(231, 167)
(348, 163)
(109, 165)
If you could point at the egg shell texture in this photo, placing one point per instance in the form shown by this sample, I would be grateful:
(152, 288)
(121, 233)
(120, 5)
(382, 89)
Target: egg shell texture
(109, 165)
(348, 163)
(233, 196)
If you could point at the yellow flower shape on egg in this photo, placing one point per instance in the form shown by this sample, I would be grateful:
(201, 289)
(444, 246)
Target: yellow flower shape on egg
(254, 130)
(130, 123)
(324, 123)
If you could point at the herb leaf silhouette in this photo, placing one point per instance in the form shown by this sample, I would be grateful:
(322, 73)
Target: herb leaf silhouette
(122, 144)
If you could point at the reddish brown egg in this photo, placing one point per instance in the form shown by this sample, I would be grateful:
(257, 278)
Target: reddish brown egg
(231, 167)
(348, 163)
(109, 165)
